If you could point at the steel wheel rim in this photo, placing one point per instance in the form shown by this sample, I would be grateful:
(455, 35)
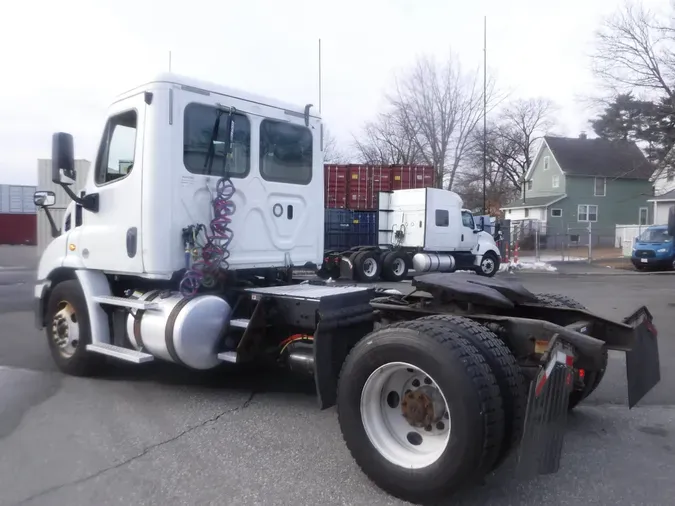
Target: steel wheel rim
(383, 401)
(398, 267)
(487, 265)
(369, 267)
(65, 329)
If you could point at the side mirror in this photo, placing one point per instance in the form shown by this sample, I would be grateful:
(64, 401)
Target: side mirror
(44, 199)
(671, 221)
(63, 160)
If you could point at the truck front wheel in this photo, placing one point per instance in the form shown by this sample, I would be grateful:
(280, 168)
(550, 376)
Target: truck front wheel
(69, 332)
(419, 410)
(489, 265)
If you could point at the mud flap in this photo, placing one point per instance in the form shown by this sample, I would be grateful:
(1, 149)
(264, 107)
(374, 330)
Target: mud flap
(642, 361)
(346, 268)
(546, 416)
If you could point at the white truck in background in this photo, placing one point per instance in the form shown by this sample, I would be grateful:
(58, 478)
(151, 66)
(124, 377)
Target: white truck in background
(181, 247)
(422, 229)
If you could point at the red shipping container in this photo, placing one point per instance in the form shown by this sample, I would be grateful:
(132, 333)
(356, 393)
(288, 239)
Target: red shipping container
(18, 229)
(335, 186)
(359, 181)
(406, 177)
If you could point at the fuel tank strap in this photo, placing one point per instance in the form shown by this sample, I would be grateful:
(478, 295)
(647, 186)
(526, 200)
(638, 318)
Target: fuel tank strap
(168, 333)
(139, 316)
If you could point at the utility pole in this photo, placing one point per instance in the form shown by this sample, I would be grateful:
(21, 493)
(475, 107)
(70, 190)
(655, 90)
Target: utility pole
(485, 115)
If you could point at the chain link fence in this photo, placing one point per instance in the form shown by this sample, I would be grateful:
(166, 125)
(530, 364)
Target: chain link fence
(539, 241)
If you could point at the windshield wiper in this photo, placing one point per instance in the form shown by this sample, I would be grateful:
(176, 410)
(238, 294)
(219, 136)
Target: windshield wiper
(227, 142)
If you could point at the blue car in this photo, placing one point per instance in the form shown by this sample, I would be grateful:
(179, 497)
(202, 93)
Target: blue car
(654, 249)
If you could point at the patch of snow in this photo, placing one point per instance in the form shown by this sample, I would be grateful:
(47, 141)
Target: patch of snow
(525, 265)
(551, 257)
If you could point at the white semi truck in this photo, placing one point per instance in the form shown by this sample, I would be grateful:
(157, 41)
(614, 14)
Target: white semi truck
(423, 229)
(186, 255)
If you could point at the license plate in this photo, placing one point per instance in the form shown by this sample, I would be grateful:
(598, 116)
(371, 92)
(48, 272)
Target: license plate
(643, 260)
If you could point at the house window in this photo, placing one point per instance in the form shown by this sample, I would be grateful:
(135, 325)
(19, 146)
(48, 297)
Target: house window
(527, 213)
(555, 180)
(600, 189)
(442, 218)
(556, 213)
(547, 162)
(587, 213)
(529, 185)
(644, 216)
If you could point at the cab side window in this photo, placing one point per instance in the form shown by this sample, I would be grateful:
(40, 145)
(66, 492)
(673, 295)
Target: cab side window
(442, 218)
(467, 220)
(116, 154)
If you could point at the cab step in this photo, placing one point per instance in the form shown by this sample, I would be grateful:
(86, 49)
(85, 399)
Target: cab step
(137, 357)
(111, 300)
(228, 356)
(239, 323)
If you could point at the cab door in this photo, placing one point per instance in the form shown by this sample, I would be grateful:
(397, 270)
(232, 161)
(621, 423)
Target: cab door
(469, 236)
(110, 239)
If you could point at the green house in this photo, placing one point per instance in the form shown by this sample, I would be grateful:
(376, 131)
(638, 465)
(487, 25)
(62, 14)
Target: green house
(578, 188)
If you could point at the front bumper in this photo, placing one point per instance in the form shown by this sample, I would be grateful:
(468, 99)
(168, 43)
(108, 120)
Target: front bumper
(659, 262)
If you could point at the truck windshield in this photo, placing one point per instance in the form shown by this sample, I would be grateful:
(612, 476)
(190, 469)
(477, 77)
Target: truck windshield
(655, 235)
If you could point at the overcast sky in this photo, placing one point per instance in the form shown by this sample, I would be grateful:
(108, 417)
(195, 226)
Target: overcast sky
(62, 62)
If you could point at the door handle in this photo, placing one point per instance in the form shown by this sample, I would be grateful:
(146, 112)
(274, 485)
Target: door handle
(462, 237)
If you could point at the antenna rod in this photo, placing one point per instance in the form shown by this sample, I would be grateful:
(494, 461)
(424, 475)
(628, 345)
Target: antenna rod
(485, 115)
(319, 76)
(169, 61)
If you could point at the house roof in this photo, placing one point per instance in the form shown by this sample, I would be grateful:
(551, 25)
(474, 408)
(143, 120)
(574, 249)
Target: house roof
(667, 197)
(599, 157)
(534, 202)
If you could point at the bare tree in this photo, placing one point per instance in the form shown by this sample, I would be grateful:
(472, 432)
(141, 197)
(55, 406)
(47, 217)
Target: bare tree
(331, 152)
(635, 49)
(443, 104)
(390, 139)
(510, 146)
(521, 125)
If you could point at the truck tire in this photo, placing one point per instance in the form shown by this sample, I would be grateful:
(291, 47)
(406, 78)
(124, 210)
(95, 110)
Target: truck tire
(69, 331)
(593, 378)
(366, 267)
(489, 265)
(394, 266)
(413, 366)
(506, 370)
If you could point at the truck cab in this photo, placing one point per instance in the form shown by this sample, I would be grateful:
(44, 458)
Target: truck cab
(654, 248)
(156, 170)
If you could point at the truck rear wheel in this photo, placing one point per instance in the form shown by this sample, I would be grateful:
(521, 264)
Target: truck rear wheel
(506, 370)
(366, 266)
(394, 266)
(419, 410)
(69, 332)
(593, 378)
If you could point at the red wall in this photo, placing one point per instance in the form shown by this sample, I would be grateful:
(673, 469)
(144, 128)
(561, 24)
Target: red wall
(18, 229)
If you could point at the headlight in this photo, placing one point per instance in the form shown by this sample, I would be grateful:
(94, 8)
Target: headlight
(661, 250)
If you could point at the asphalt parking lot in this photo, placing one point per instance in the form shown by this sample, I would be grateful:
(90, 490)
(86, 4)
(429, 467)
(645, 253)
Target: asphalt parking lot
(160, 435)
